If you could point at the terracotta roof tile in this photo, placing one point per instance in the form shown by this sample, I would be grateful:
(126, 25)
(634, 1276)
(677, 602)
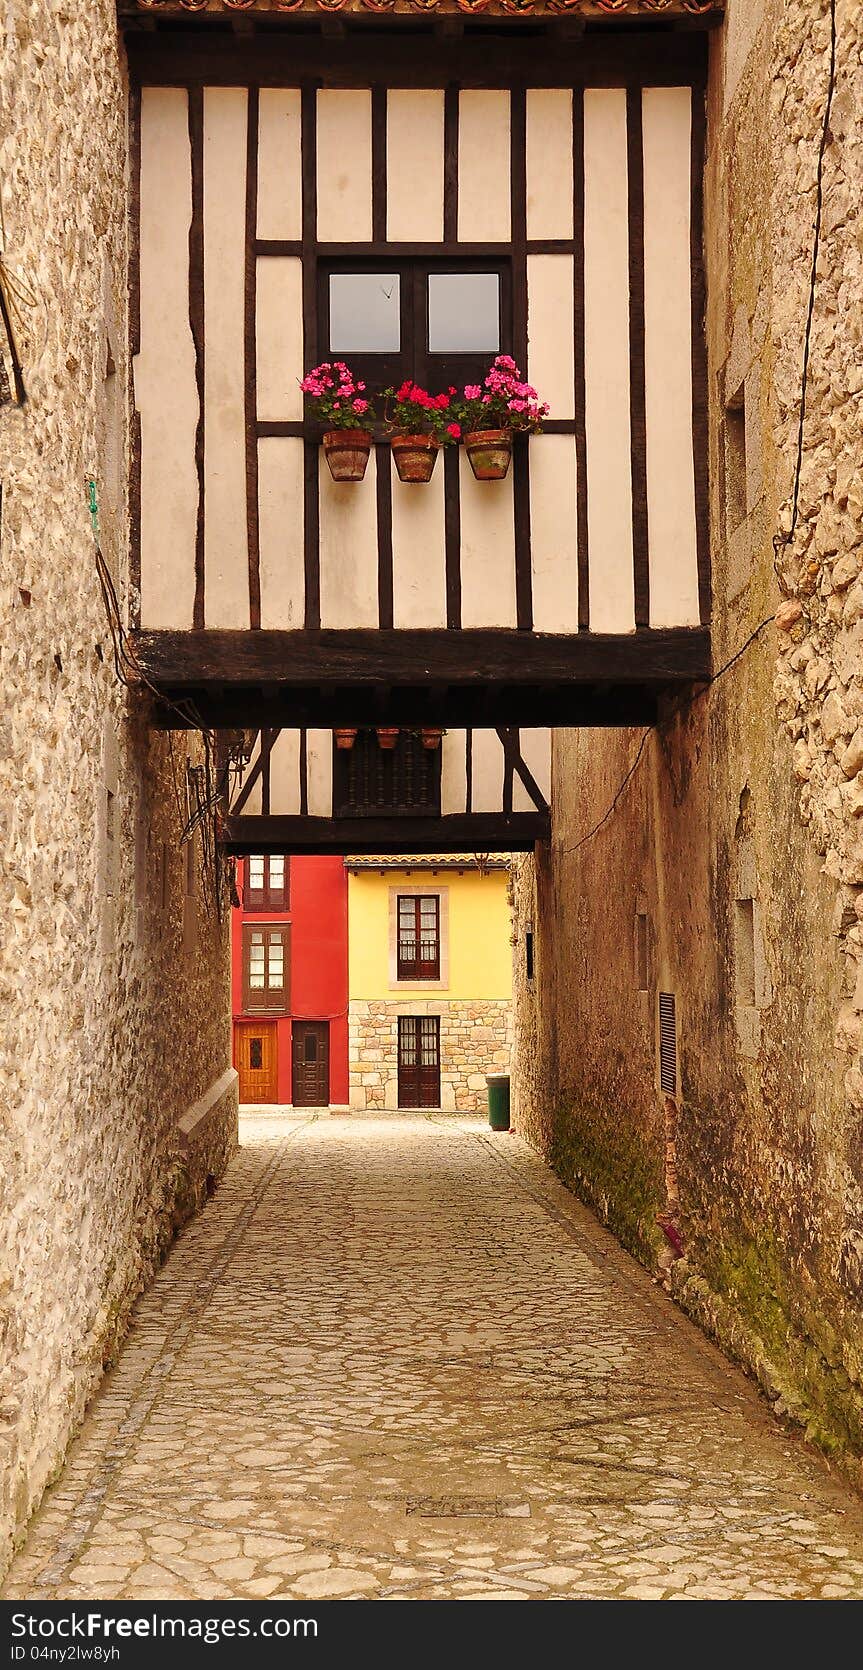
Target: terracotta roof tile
(427, 861)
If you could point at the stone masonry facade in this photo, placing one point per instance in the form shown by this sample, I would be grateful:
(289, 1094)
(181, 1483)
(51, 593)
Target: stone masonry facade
(730, 874)
(119, 1098)
(475, 1039)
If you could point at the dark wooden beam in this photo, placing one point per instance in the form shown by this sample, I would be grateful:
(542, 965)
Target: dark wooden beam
(477, 657)
(455, 707)
(638, 57)
(465, 832)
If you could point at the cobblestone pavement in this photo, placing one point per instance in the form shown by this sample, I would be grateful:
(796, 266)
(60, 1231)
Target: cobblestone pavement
(394, 1358)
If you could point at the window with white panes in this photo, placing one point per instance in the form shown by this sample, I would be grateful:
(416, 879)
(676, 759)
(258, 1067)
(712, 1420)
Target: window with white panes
(265, 968)
(266, 884)
(419, 936)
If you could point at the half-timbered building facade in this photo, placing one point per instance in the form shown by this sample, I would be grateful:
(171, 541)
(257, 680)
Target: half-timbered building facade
(415, 189)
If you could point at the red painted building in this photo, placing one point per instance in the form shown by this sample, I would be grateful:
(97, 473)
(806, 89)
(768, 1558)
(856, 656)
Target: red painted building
(290, 980)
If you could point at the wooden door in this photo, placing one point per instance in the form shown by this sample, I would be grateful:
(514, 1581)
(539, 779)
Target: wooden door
(311, 1064)
(256, 1058)
(419, 1061)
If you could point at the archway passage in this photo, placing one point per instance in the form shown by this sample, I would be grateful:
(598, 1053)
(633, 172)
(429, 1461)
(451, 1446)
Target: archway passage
(395, 1358)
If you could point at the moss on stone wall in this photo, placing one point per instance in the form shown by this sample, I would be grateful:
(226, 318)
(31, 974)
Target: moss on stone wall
(611, 1170)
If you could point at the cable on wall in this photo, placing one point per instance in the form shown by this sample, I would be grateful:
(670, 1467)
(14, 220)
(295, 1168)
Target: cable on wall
(780, 540)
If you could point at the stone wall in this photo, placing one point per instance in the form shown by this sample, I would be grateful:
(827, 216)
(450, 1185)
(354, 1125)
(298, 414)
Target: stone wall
(119, 1099)
(737, 839)
(475, 1039)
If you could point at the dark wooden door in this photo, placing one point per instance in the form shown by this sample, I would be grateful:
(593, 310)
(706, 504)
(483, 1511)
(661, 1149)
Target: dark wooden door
(419, 1061)
(256, 1058)
(311, 1064)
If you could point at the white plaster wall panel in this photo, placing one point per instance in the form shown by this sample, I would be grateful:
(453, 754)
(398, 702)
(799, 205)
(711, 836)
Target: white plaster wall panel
(319, 773)
(453, 773)
(419, 550)
(348, 550)
(279, 338)
(535, 746)
(226, 560)
(285, 775)
(673, 557)
(415, 124)
(487, 772)
(487, 549)
(483, 166)
(550, 321)
(168, 405)
(280, 174)
(344, 135)
(549, 162)
(606, 356)
(280, 532)
(554, 533)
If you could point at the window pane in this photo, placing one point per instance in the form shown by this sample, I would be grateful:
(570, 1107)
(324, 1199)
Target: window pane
(464, 313)
(277, 872)
(365, 313)
(256, 873)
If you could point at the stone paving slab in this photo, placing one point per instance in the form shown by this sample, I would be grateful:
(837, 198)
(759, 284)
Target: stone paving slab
(394, 1358)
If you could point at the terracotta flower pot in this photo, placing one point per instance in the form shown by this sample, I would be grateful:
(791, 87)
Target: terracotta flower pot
(431, 736)
(347, 453)
(415, 456)
(345, 737)
(388, 736)
(489, 451)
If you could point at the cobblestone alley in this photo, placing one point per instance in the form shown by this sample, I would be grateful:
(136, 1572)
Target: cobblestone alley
(394, 1358)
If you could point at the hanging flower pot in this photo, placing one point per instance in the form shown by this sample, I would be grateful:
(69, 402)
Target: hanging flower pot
(431, 736)
(347, 453)
(387, 736)
(415, 457)
(346, 737)
(489, 451)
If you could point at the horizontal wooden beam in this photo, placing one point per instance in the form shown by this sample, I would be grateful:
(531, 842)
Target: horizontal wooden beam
(455, 708)
(287, 57)
(421, 658)
(463, 832)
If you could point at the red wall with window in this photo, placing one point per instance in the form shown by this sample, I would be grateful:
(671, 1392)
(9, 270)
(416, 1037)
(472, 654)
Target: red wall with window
(312, 935)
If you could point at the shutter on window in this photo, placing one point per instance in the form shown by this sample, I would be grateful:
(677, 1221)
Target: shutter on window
(667, 1043)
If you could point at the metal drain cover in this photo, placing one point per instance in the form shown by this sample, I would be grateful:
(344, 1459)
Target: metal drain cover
(468, 1507)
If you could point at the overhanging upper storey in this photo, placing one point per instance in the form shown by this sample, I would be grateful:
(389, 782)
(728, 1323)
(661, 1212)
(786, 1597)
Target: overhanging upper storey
(393, 790)
(415, 205)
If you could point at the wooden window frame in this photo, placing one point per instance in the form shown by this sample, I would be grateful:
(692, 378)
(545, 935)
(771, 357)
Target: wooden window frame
(267, 1000)
(268, 898)
(414, 359)
(416, 968)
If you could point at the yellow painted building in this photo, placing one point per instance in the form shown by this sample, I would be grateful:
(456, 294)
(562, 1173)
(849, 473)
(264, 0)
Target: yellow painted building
(429, 979)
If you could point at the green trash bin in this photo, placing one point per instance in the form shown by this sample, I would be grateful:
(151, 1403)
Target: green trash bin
(498, 1101)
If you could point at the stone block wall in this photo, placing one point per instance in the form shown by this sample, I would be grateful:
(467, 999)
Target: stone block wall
(738, 839)
(475, 1039)
(119, 1101)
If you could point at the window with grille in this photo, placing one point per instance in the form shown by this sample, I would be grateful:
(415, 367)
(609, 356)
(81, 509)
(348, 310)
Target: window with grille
(265, 968)
(370, 781)
(419, 936)
(267, 884)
